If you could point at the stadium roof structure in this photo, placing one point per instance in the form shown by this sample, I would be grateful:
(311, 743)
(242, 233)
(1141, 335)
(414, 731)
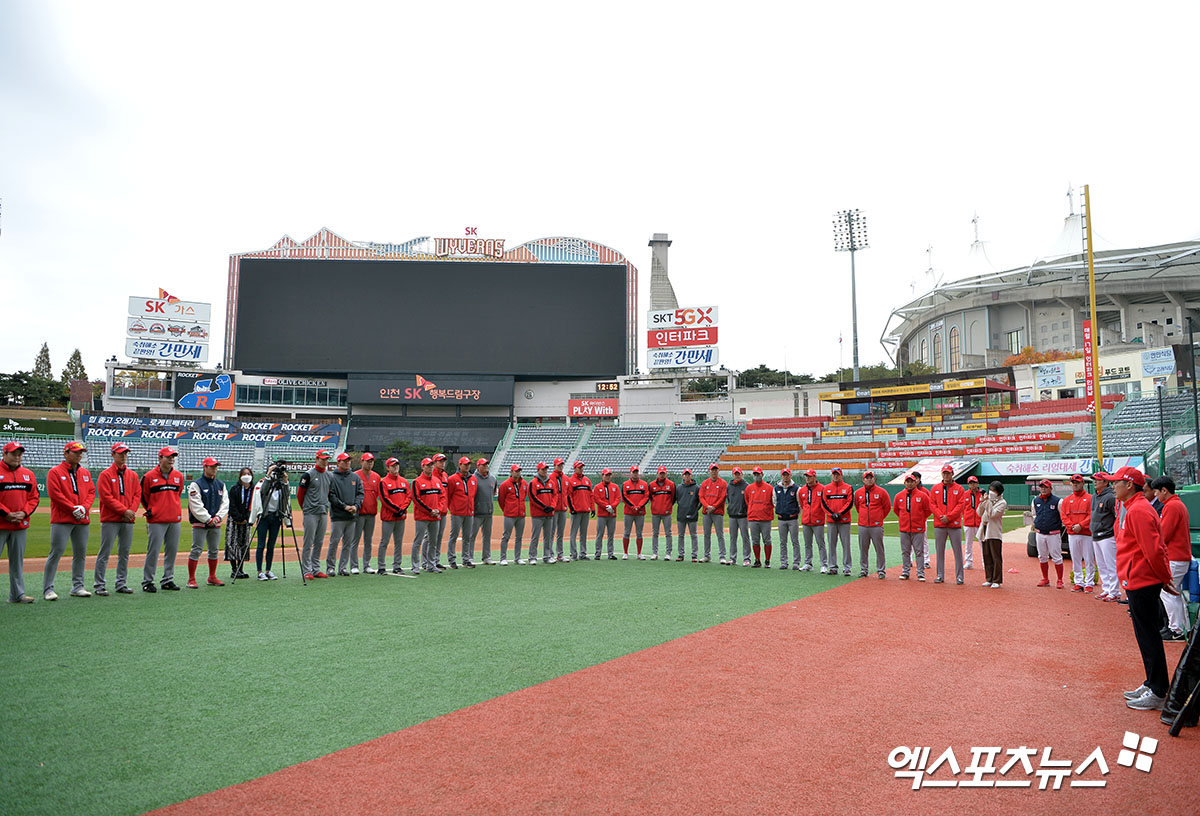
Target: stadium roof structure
(1167, 273)
(325, 244)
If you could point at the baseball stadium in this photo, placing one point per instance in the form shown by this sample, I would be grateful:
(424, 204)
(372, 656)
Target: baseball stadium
(908, 595)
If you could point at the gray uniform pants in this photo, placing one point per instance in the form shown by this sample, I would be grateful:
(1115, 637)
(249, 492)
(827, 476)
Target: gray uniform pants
(113, 531)
(389, 531)
(364, 528)
(60, 534)
(459, 526)
(14, 542)
(866, 537)
(789, 528)
(605, 525)
(631, 522)
(711, 521)
(541, 527)
(760, 533)
(912, 548)
(816, 531)
(683, 529)
(481, 524)
(425, 535)
(441, 531)
(736, 526)
(341, 541)
(165, 536)
(657, 522)
(940, 534)
(205, 538)
(512, 523)
(560, 530)
(836, 532)
(314, 542)
(579, 530)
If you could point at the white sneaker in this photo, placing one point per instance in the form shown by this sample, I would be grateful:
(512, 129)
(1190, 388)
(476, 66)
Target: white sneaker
(50, 595)
(824, 570)
(80, 593)
(532, 562)
(262, 576)
(553, 560)
(521, 561)
(705, 560)
(1149, 701)
(566, 559)
(490, 562)
(1137, 692)
(504, 562)
(625, 557)
(354, 570)
(995, 586)
(987, 583)
(806, 568)
(641, 557)
(369, 570)
(654, 557)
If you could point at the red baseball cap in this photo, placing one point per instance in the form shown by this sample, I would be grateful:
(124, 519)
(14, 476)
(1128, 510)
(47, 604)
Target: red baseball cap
(1045, 483)
(867, 473)
(392, 461)
(480, 461)
(714, 466)
(343, 456)
(558, 460)
(1131, 473)
(757, 470)
(9, 447)
(367, 457)
(578, 464)
(119, 447)
(322, 454)
(836, 470)
(515, 468)
(662, 468)
(634, 469)
(465, 460)
(810, 472)
(168, 451)
(972, 480)
(788, 471)
(606, 472)
(439, 457)
(541, 465)
(736, 469)
(947, 469)
(426, 461)
(1076, 477)
(914, 476)
(75, 446)
(211, 461)
(687, 472)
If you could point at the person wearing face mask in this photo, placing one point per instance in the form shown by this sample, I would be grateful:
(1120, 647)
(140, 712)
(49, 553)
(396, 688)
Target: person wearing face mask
(237, 529)
(991, 530)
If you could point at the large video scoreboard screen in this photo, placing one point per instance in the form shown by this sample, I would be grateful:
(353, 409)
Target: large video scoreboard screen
(448, 317)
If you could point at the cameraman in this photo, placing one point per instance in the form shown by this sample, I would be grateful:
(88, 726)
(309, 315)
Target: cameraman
(271, 504)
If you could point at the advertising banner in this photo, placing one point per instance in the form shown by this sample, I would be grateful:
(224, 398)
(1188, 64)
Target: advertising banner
(1051, 375)
(1158, 362)
(593, 407)
(166, 350)
(433, 389)
(1089, 367)
(13, 427)
(682, 318)
(931, 470)
(169, 309)
(98, 426)
(705, 357)
(197, 391)
(676, 338)
(1031, 467)
(166, 329)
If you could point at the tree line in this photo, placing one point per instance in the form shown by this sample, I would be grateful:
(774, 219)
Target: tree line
(39, 386)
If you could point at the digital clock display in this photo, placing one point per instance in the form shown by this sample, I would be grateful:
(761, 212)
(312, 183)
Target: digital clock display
(608, 386)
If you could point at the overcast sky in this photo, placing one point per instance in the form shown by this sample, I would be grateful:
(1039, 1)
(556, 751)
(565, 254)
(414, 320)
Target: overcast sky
(141, 144)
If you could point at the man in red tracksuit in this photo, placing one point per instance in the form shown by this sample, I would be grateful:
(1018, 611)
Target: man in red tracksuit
(162, 495)
(71, 492)
(364, 519)
(837, 499)
(635, 494)
(429, 498)
(581, 507)
(511, 496)
(760, 512)
(18, 499)
(1076, 513)
(911, 507)
(120, 494)
(543, 499)
(873, 505)
(439, 472)
(946, 502)
(561, 510)
(460, 497)
(712, 510)
(971, 520)
(395, 496)
(607, 497)
(812, 521)
(662, 500)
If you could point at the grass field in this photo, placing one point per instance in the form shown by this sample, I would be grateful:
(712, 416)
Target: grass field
(121, 704)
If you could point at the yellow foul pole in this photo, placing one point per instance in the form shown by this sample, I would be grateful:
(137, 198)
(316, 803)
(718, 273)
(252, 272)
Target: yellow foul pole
(1090, 341)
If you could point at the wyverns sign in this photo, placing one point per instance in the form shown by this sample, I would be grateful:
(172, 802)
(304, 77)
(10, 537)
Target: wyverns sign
(431, 389)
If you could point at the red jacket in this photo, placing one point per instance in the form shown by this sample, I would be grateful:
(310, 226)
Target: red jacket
(947, 500)
(662, 497)
(1141, 553)
(812, 512)
(511, 495)
(18, 493)
(837, 499)
(872, 508)
(1077, 509)
(119, 491)
(461, 492)
(543, 497)
(579, 494)
(712, 494)
(429, 494)
(971, 503)
(1174, 521)
(606, 494)
(370, 502)
(394, 497)
(636, 496)
(760, 502)
(560, 484)
(161, 496)
(913, 510)
(68, 489)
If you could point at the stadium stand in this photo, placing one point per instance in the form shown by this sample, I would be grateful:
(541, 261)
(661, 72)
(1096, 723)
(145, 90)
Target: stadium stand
(44, 451)
(557, 437)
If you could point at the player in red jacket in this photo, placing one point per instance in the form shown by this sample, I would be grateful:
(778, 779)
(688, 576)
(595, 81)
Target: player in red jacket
(1144, 572)
(607, 497)
(812, 520)
(873, 505)
(120, 491)
(971, 520)
(561, 510)
(439, 472)
(911, 507)
(760, 512)
(837, 500)
(543, 499)
(18, 499)
(712, 510)
(395, 495)
(946, 500)
(635, 494)
(71, 492)
(364, 519)
(429, 503)
(662, 500)
(580, 505)
(460, 490)
(511, 495)
(1177, 538)
(162, 497)
(1076, 513)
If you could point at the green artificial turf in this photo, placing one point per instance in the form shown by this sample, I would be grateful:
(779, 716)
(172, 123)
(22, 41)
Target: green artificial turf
(126, 703)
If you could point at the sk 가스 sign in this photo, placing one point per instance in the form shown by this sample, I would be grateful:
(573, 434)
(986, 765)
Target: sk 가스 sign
(670, 338)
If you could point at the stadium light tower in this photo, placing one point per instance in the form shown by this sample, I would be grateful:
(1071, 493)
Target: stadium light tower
(850, 235)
